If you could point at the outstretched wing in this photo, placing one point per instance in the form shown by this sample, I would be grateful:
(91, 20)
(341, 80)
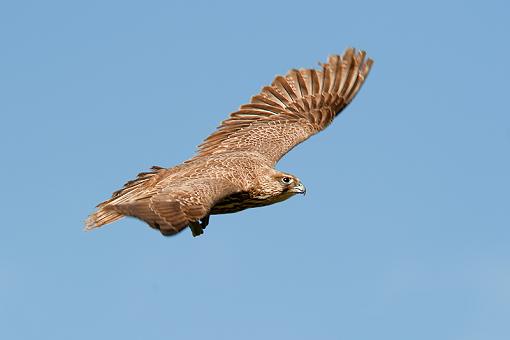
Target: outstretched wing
(292, 109)
(171, 207)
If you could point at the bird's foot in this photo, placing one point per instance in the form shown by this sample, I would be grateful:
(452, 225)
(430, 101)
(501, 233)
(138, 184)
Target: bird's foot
(204, 222)
(196, 229)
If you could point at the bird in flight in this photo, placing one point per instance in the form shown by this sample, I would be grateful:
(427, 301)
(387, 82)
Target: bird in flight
(233, 168)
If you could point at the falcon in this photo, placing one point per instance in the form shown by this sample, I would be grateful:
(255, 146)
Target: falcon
(233, 168)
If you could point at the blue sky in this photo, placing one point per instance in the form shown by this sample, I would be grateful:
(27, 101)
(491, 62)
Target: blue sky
(404, 232)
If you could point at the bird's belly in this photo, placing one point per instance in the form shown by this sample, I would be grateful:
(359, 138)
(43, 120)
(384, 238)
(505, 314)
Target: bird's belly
(241, 201)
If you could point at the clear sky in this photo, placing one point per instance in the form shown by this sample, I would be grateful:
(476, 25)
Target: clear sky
(404, 232)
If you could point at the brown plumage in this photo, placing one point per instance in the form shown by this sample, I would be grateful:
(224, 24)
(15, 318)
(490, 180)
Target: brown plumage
(233, 169)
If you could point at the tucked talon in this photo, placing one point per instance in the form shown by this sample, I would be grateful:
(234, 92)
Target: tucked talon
(204, 222)
(196, 229)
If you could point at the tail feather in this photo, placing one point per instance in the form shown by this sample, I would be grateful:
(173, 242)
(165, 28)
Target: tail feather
(101, 217)
(106, 212)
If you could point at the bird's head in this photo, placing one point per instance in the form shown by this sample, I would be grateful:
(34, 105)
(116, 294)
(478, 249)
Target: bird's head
(278, 186)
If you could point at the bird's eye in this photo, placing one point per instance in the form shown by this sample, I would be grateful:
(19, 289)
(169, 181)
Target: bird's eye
(286, 180)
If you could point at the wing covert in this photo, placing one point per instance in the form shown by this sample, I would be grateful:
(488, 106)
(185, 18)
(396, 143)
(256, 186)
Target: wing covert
(172, 208)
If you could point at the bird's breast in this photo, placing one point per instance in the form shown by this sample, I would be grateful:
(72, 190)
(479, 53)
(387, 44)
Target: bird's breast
(243, 200)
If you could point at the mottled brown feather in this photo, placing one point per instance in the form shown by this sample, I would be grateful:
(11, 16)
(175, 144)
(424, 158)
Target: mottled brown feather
(292, 109)
(171, 208)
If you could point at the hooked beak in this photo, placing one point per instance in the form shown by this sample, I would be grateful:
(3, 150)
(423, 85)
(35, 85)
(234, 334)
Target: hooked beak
(299, 189)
